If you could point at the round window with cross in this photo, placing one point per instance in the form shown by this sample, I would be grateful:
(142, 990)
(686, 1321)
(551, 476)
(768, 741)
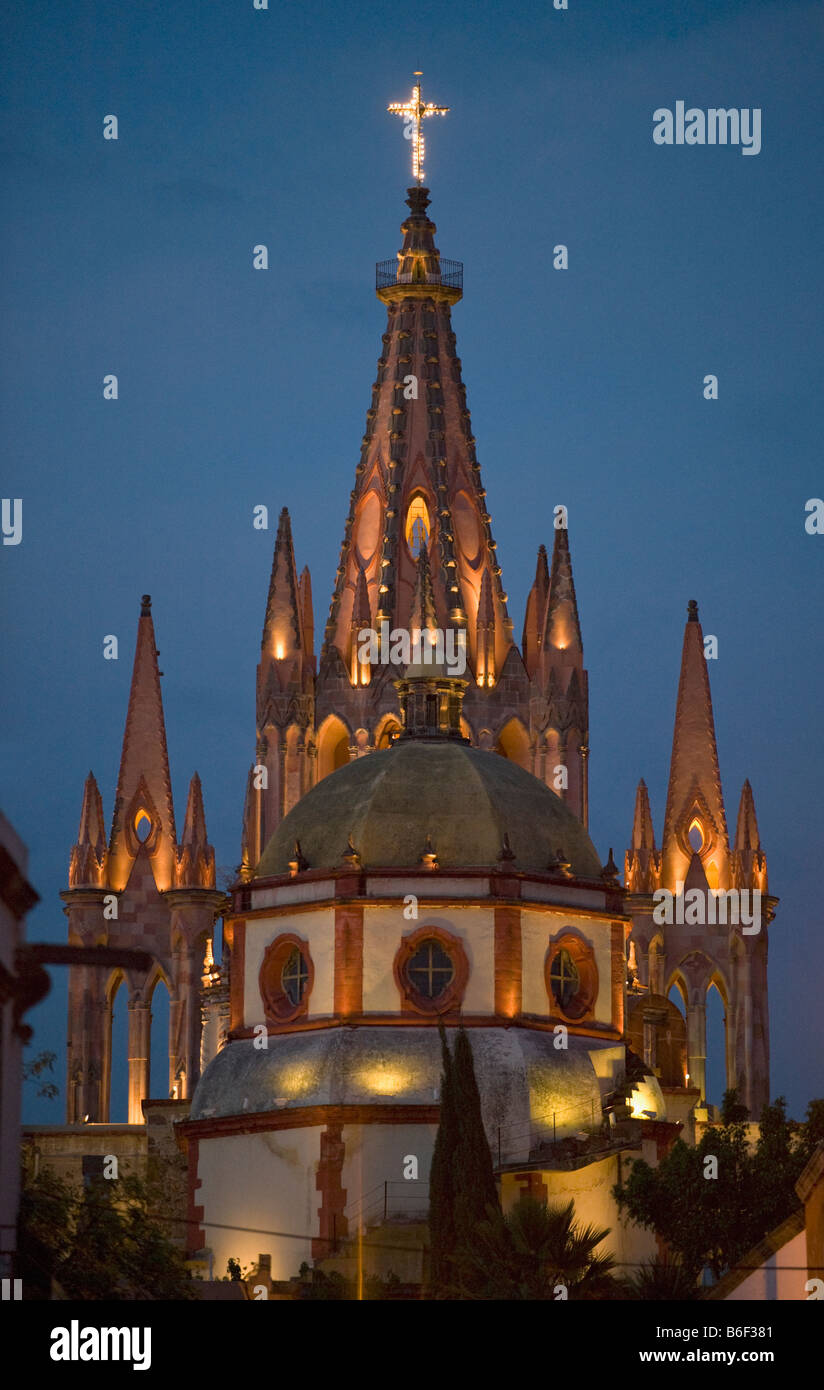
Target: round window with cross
(294, 976)
(564, 978)
(431, 971)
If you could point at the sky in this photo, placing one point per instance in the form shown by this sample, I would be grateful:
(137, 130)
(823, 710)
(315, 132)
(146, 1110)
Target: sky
(240, 127)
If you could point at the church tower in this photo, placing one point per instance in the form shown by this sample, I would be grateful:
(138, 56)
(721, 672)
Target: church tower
(147, 889)
(285, 763)
(709, 925)
(418, 487)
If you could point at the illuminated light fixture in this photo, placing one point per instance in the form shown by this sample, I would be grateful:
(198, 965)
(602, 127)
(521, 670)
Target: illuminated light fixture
(414, 113)
(279, 651)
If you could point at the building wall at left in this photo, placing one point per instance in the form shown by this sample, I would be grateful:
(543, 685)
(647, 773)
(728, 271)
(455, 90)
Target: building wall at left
(16, 898)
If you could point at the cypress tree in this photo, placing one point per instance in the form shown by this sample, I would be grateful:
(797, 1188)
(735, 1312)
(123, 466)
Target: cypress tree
(442, 1180)
(475, 1188)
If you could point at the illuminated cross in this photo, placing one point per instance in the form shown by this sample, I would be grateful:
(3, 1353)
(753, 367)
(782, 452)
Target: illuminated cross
(414, 113)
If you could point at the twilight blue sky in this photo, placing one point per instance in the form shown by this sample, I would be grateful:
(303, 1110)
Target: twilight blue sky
(238, 387)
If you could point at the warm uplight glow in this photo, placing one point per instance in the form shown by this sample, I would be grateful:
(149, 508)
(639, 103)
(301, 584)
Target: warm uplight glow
(279, 651)
(298, 1079)
(644, 1102)
(386, 1081)
(414, 113)
(142, 826)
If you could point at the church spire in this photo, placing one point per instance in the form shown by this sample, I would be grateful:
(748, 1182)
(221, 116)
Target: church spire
(561, 627)
(560, 678)
(423, 617)
(643, 862)
(412, 491)
(695, 817)
(643, 834)
(285, 694)
(144, 814)
(195, 860)
(88, 859)
(535, 610)
(361, 621)
(282, 626)
(485, 636)
(750, 859)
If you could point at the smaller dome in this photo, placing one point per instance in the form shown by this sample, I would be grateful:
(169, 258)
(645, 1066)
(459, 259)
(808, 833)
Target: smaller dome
(464, 799)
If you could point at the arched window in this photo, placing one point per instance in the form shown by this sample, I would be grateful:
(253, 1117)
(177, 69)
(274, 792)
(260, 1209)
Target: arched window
(418, 526)
(513, 743)
(716, 1025)
(388, 734)
(333, 746)
(161, 1086)
(696, 836)
(118, 1064)
(142, 826)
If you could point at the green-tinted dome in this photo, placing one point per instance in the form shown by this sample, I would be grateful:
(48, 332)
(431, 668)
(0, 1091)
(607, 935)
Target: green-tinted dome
(465, 800)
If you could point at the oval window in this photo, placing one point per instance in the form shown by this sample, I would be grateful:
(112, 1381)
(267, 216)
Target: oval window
(564, 979)
(294, 976)
(431, 970)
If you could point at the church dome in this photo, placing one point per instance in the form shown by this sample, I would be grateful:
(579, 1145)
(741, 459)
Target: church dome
(463, 799)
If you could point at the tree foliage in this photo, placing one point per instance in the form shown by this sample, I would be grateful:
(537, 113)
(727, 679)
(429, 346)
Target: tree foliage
(442, 1178)
(462, 1180)
(539, 1252)
(711, 1220)
(97, 1242)
(34, 1069)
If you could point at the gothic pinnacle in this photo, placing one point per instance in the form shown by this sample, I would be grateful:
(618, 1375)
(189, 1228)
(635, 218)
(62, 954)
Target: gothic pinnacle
(144, 786)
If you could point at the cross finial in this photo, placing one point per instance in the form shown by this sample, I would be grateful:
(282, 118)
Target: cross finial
(414, 113)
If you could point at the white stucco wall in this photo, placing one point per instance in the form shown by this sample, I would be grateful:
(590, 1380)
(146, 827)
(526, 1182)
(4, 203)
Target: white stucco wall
(266, 1183)
(383, 930)
(537, 930)
(376, 1154)
(317, 929)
